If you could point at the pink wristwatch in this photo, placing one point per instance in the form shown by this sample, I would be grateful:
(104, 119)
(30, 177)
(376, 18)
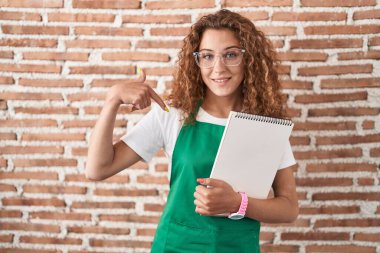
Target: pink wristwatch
(242, 209)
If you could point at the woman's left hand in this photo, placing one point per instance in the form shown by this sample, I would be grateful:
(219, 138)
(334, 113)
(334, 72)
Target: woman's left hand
(215, 196)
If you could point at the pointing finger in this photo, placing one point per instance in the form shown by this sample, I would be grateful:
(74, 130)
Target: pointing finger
(158, 99)
(141, 74)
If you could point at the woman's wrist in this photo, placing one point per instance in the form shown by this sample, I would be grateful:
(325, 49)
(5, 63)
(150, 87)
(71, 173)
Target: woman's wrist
(236, 203)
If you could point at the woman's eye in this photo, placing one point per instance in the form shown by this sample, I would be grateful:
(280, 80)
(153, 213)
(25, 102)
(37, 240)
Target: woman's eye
(230, 55)
(207, 56)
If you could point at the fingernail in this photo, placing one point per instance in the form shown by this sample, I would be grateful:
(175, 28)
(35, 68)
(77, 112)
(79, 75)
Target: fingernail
(200, 180)
(166, 109)
(139, 70)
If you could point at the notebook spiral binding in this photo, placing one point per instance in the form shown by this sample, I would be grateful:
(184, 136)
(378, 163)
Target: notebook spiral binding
(242, 115)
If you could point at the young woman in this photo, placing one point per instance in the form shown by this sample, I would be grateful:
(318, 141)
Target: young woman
(225, 64)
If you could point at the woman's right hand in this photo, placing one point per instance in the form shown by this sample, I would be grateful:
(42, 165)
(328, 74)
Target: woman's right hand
(137, 93)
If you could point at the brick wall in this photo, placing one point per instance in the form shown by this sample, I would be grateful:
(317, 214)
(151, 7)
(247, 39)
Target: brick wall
(59, 57)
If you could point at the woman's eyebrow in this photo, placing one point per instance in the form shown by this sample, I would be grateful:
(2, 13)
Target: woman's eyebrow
(206, 49)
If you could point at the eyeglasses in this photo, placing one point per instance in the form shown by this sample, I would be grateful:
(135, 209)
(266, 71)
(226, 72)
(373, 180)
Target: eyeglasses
(231, 57)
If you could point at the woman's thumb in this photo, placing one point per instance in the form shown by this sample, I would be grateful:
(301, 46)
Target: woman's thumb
(141, 74)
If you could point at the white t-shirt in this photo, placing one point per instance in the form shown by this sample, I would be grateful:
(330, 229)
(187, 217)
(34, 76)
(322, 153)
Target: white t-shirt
(160, 129)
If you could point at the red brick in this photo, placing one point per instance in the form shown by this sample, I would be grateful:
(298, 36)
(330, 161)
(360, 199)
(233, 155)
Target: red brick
(110, 82)
(329, 98)
(328, 154)
(10, 214)
(31, 150)
(350, 83)
(300, 56)
(120, 243)
(146, 232)
(152, 180)
(29, 227)
(278, 248)
(125, 192)
(157, 19)
(278, 30)
(375, 152)
(154, 207)
(369, 237)
(375, 41)
(255, 15)
(33, 202)
(3, 105)
(161, 167)
(295, 84)
(6, 54)
(172, 31)
(44, 162)
(316, 236)
(322, 182)
(30, 96)
(370, 14)
(51, 82)
(55, 56)
(52, 137)
(108, 31)
(79, 151)
(86, 96)
(3, 162)
(159, 71)
(40, 175)
(130, 218)
(339, 249)
(99, 43)
(47, 110)
(103, 205)
(340, 167)
(99, 230)
(7, 187)
(60, 216)
(159, 44)
(353, 139)
(185, 4)
(136, 56)
(36, 68)
(126, 70)
(368, 124)
(81, 17)
(330, 210)
(335, 70)
(364, 222)
(374, 54)
(343, 111)
(320, 126)
(299, 140)
(32, 3)
(54, 189)
(367, 196)
(326, 43)
(50, 240)
(249, 3)
(24, 123)
(105, 4)
(46, 30)
(14, 15)
(24, 250)
(309, 16)
(6, 80)
(6, 238)
(342, 29)
(366, 181)
(337, 3)
(29, 42)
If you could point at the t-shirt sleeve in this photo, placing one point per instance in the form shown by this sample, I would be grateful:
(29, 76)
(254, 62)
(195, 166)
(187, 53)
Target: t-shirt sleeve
(288, 157)
(146, 137)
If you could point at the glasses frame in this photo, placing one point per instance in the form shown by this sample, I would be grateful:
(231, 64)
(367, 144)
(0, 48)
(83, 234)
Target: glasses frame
(196, 56)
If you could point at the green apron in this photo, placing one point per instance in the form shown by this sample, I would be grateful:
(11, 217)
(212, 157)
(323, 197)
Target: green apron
(183, 230)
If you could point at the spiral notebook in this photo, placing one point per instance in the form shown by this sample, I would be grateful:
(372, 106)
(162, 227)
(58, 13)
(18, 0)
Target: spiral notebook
(250, 152)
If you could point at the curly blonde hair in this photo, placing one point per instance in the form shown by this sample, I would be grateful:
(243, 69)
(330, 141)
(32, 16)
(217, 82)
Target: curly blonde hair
(261, 87)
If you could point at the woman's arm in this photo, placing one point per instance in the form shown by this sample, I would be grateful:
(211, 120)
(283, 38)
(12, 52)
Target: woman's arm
(105, 159)
(221, 198)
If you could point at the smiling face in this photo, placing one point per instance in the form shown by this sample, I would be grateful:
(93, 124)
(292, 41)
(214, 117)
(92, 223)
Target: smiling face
(221, 80)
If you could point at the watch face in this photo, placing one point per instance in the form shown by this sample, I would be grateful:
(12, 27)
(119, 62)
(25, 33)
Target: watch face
(236, 216)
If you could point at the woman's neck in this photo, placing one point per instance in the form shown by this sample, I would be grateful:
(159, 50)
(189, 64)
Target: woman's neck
(220, 107)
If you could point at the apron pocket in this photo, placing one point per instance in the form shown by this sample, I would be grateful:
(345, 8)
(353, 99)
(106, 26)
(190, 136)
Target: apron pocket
(185, 239)
(246, 241)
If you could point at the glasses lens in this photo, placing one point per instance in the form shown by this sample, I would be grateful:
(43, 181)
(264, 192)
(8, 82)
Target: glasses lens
(231, 57)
